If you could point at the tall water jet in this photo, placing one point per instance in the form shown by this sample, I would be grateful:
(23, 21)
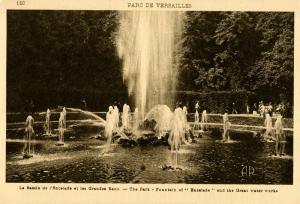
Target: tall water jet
(146, 43)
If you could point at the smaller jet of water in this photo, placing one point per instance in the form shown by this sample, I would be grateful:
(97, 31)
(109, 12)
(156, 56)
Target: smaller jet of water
(116, 115)
(47, 123)
(204, 120)
(136, 119)
(280, 137)
(109, 127)
(268, 125)
(196, 125)
(27, 151)
(61, 128)
(162, 115)
(176, 135)
(186, 126)
(125, 117)
(226, 127)
(64, 111)
(100, 121)
(185, 113)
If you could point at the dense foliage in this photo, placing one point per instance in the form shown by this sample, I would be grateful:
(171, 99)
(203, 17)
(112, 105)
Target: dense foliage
(61, 57)
(239, 51)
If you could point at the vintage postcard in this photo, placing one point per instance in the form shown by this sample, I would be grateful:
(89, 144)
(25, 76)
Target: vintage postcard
(149, 101)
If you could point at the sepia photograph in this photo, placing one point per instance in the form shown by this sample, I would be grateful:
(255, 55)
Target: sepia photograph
(149, 97)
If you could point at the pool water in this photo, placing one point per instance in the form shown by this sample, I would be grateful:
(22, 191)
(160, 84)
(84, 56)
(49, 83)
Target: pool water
(205, 162)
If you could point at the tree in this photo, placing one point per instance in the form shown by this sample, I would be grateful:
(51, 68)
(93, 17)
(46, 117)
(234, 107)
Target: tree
(198, 48)
(64, 55)
(238, 47)
(273, 71)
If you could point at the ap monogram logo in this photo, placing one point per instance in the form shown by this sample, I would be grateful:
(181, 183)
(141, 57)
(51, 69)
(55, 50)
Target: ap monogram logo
(247, 171)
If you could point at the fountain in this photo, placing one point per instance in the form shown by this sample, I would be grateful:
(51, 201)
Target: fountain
(204, 121)
(99, 121)
(64, 111)
(47, 123)
(196, 126)
(116, 116)
(186, 126)
(136, 119)
(268, 125)
(176, 136)
(27, 150)
(226, 126)
(147, 44)
(162, 115)
(125, 117)
(61, 129)
(98, 118)
(185, 113)
(109, 127)
(280, 137)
